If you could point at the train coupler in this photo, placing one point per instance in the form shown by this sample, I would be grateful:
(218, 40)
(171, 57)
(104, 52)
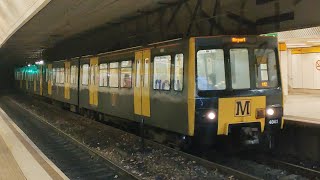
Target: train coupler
(249, 135)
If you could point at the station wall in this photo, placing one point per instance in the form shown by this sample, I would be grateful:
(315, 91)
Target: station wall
(302, 70)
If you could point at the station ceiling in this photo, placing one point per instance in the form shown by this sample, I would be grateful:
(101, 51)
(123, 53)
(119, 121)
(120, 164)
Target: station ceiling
(61, 19)
(59, 26)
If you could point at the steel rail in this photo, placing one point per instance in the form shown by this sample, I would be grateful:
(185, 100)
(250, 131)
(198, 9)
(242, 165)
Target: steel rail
(80, 144)
(307, 172)
(208, 164)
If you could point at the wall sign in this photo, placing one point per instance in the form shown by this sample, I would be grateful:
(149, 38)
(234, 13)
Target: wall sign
(318, 65)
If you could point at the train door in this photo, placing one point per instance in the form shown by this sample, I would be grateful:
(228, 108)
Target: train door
(142, 83)
(93, 87)
(67, 80)
(50, 79)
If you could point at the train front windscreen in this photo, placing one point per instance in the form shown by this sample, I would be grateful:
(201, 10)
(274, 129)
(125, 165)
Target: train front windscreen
(239, 68)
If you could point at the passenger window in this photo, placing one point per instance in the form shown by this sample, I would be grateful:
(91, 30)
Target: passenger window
(126, 73)
(178, 72)
(138, 71)
(103, 78)
(85, 74)
(114, 75)
(54, 78)
(161, 72)
(92, 75)
(146, 73)
(211, 70)
(58, 75)
(74, 73)
(47, 74)
(61, 75)
(240, 74)
(67, 75)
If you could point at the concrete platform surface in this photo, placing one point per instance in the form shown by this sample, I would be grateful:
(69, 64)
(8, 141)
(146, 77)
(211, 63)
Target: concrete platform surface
(302, 107)
(20, 158)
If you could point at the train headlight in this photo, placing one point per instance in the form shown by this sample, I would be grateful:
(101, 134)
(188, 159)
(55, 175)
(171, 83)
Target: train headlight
(211, 115)
(270, 112)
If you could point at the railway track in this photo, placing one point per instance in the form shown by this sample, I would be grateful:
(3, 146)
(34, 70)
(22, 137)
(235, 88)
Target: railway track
(231, 173)
(306, 172)
(75, 159)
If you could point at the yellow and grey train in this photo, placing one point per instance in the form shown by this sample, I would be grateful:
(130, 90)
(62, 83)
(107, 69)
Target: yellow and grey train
(196, 88)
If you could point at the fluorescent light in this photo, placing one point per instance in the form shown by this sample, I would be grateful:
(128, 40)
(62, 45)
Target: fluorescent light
(297, 44)
(41, 62)
(314, 41)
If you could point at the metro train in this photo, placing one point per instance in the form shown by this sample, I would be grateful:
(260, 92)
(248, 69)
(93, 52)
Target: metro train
(184, 90)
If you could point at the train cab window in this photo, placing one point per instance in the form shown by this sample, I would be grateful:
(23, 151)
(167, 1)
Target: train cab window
(85, 74)
(240, 74)
(114, 75)
(161, 72)
(103, 76)
(178, 72)
(211, 69)
(266, 68)
(74, 75)
(126, 73)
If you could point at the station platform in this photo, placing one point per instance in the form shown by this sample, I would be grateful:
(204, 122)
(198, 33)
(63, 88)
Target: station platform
(304, 108)
(20, 158)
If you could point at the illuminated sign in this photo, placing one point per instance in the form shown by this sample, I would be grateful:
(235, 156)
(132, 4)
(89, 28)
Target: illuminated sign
(238, 40)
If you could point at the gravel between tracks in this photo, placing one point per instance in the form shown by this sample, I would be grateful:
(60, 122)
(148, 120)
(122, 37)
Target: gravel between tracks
(120, 147)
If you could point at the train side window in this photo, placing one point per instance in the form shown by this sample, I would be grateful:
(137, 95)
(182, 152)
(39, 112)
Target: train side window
(211, 70)
(61, 76)
(54, 78)
(93, 74)
(57, 76)
(67, 73)
(85, 74)
(178, 72)
(114, 75)
(240, 73)
(47, 74)
(161, 72)
(74, 74)
(126, 74)
(103, 78)
(138, 70)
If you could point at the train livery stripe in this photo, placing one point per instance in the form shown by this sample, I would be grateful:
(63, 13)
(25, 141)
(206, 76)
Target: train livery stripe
(191, 87)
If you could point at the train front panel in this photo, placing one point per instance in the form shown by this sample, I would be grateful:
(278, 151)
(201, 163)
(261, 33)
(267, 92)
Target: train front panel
(238, 87)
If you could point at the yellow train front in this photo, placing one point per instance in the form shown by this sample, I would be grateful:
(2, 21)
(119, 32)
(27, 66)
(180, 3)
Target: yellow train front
(238, 89)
